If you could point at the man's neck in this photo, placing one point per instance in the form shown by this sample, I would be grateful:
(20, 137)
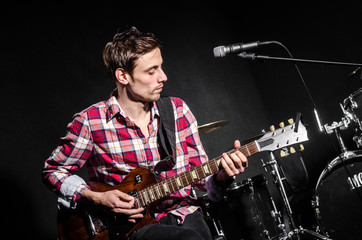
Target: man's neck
(136, 110)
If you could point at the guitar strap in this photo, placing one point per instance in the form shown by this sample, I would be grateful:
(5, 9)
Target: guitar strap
(166, 135)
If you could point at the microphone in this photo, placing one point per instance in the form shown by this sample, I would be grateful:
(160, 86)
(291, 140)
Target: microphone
(222, 51)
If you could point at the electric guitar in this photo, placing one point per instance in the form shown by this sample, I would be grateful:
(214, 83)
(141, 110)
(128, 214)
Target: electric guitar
(95, 222)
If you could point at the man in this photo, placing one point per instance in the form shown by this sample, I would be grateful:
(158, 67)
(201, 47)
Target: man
(118, 135)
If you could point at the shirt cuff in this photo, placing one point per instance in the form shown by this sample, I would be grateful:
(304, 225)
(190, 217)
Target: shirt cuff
(70, 191)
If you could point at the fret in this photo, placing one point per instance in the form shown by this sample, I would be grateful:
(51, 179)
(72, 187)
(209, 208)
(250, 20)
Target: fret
(151, 193)
(144, 193)
(185, 177)
(170, 183)
(246, 146)
(212, 165)
(243, 149)
(176, 185)
(217, 163)
(178, 182)
(255, 147)
(200, 172)
(164, 193)
(206, 169)
(193, 175)
(189, 178)
(165, 188)
(249, 149)
(141, 199)
(158, 191)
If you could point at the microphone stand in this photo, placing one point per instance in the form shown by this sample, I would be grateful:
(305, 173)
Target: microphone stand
(253, 56)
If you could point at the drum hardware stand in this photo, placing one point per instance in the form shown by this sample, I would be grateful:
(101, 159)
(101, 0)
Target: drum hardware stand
(336, 127)
(295, 232)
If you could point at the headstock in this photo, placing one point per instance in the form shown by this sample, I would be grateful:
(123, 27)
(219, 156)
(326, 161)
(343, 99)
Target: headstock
(294, 133)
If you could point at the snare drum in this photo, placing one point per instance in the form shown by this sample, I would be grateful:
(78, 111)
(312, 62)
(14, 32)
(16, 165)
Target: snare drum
(247, 212)
(338, 197)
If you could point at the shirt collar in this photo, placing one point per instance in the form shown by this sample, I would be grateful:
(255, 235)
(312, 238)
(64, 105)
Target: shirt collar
(114, 109)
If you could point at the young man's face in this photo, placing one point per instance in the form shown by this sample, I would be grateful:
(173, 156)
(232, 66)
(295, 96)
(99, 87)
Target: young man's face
(147, 78)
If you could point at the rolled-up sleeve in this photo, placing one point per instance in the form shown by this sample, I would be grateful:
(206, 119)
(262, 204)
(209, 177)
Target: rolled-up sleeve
(70, 155)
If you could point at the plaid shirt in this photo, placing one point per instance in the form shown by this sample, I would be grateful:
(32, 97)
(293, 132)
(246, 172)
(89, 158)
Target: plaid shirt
(111, 145)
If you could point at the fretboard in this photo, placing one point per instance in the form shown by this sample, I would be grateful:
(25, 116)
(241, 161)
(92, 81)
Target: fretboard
(173, 184)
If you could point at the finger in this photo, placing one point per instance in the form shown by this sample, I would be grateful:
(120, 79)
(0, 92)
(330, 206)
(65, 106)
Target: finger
(244, 159)
(123, 196)
(226, 168)
(228, 165)
(241, 161)
(237, 144)
(136, 216)
(128, 212)
(124, 200)
(133, 218)
(236, 158)
(122, 204)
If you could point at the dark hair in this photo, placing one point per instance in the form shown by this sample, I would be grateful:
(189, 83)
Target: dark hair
(126, 48)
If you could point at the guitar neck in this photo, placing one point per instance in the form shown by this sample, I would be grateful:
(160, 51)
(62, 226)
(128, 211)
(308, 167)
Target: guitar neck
(173, 184)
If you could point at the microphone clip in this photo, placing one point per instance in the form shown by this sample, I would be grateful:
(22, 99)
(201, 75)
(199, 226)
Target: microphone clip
(245, 55)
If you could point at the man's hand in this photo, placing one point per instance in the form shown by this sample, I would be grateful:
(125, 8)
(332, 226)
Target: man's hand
(232, 164)
(117, 201)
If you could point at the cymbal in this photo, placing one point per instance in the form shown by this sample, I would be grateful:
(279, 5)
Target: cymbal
(209, 127)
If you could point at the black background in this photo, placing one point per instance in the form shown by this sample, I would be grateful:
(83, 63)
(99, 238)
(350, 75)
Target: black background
(51, 68)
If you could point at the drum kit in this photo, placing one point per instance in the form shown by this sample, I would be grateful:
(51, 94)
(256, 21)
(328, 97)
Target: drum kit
(249, 212)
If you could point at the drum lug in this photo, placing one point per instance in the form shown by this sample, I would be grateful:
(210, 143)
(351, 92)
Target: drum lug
(315, 202)
(315, 205)
(250, 184)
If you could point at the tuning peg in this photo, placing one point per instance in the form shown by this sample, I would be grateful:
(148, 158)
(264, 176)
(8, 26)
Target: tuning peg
(290, 121)
(281, 125)
(272, 128)
(292, 150)
(301, 147)
(282, 153)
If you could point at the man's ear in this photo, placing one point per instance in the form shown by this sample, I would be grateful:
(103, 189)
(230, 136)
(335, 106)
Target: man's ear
(122, 76)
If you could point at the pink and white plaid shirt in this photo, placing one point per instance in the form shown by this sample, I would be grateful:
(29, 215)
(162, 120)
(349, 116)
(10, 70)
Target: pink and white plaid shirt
(111, 145)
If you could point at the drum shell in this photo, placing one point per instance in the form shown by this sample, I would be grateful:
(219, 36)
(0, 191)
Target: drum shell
(247, 211)
(338, 197)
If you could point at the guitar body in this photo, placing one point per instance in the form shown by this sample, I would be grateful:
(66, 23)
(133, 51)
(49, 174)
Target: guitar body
(93, 222)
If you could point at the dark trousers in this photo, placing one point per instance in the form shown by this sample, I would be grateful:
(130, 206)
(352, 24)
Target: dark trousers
(193, 228)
